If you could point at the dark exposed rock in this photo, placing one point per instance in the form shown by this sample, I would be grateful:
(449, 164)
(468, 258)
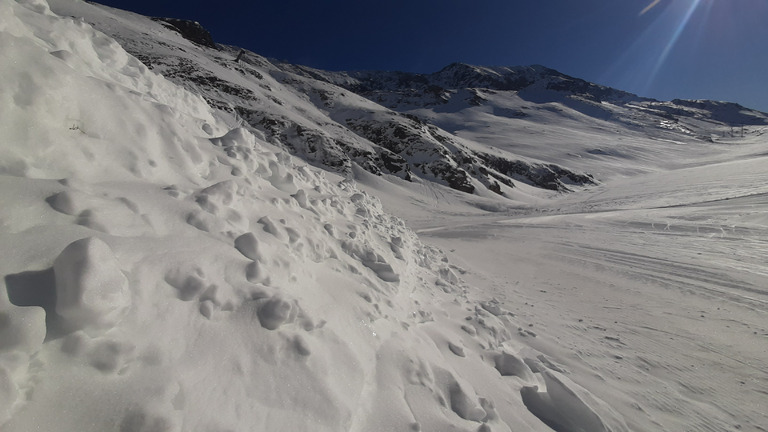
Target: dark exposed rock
(190, 30)
(456, 178)
(435, 88)
(460, 75)
(547, 176)
(729, 113)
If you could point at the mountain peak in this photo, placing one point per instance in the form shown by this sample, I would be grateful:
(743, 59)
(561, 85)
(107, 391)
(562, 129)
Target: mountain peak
(461, 75)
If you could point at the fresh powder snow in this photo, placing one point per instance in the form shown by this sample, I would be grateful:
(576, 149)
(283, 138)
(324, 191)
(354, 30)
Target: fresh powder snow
(167, 266)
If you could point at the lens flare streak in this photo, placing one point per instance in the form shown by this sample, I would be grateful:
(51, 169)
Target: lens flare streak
(675, 36)
(649, 7)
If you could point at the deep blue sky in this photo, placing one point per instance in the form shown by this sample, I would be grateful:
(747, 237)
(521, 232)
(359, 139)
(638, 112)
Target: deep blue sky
(693, 49)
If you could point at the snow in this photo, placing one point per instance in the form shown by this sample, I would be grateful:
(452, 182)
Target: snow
(659, 310)
(166, 269)
(91, 290)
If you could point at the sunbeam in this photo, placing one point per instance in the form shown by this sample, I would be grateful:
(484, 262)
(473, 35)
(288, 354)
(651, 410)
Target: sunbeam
(681, 25)
(649, 7)
(673, 40)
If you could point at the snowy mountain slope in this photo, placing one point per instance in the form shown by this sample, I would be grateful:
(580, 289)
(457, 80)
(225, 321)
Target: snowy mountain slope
(399, 89)
(319, 121)
(165, 271)
(535, 84)
(430, 128)
(538, 112)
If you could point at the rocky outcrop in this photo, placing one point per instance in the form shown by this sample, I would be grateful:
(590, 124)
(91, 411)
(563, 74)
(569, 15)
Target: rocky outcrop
(439, 87)
(546, 176)
(190, 30)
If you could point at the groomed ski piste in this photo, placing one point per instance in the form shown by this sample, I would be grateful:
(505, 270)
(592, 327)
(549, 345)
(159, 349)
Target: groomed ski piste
(164, 269)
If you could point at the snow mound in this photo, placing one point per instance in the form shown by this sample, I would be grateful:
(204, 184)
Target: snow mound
(166, 271)
(90, 288)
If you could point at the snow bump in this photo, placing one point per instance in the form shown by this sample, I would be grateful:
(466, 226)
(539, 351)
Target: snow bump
(91, 290)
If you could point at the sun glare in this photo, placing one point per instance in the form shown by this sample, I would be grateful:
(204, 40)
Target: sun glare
(675, 35)
(649, 7)
(680, 22)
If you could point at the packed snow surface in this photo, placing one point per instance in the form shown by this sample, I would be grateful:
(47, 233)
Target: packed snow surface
(165, 269)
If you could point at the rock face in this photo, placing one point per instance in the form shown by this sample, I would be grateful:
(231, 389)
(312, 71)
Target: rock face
(436, 87)
(191, 31)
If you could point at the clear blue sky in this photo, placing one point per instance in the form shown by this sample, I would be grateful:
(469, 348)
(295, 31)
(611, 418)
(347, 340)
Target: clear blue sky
(665, 49)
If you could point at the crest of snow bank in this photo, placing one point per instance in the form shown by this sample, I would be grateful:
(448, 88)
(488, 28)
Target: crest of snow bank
(92, 53)
(67, 83)
(164, 273)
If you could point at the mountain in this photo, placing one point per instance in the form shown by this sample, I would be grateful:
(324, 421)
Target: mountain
(458, 76)
(403, 124)
(196, 238)
(166, 268)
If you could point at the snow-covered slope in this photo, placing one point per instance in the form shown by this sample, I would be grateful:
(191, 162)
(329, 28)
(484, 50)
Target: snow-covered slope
(167, 263)
(465, 127)
(323, 123)
(540, 113)
(165, 271)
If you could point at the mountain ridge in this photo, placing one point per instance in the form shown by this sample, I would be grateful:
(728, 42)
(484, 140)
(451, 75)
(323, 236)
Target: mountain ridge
(393, 123)
(459, 75)
(195, 32)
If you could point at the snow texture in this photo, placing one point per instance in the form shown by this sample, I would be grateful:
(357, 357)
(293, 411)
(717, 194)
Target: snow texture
(170, 263)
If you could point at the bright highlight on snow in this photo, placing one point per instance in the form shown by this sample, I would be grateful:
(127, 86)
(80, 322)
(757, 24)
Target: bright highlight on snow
(210, 245)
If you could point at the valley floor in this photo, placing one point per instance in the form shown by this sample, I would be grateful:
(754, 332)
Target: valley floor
(651, 291)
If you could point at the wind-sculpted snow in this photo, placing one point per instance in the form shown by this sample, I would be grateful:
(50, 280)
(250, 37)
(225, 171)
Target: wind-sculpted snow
(165, 271)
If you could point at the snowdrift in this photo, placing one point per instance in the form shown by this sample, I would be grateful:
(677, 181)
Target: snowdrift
(163, 270)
